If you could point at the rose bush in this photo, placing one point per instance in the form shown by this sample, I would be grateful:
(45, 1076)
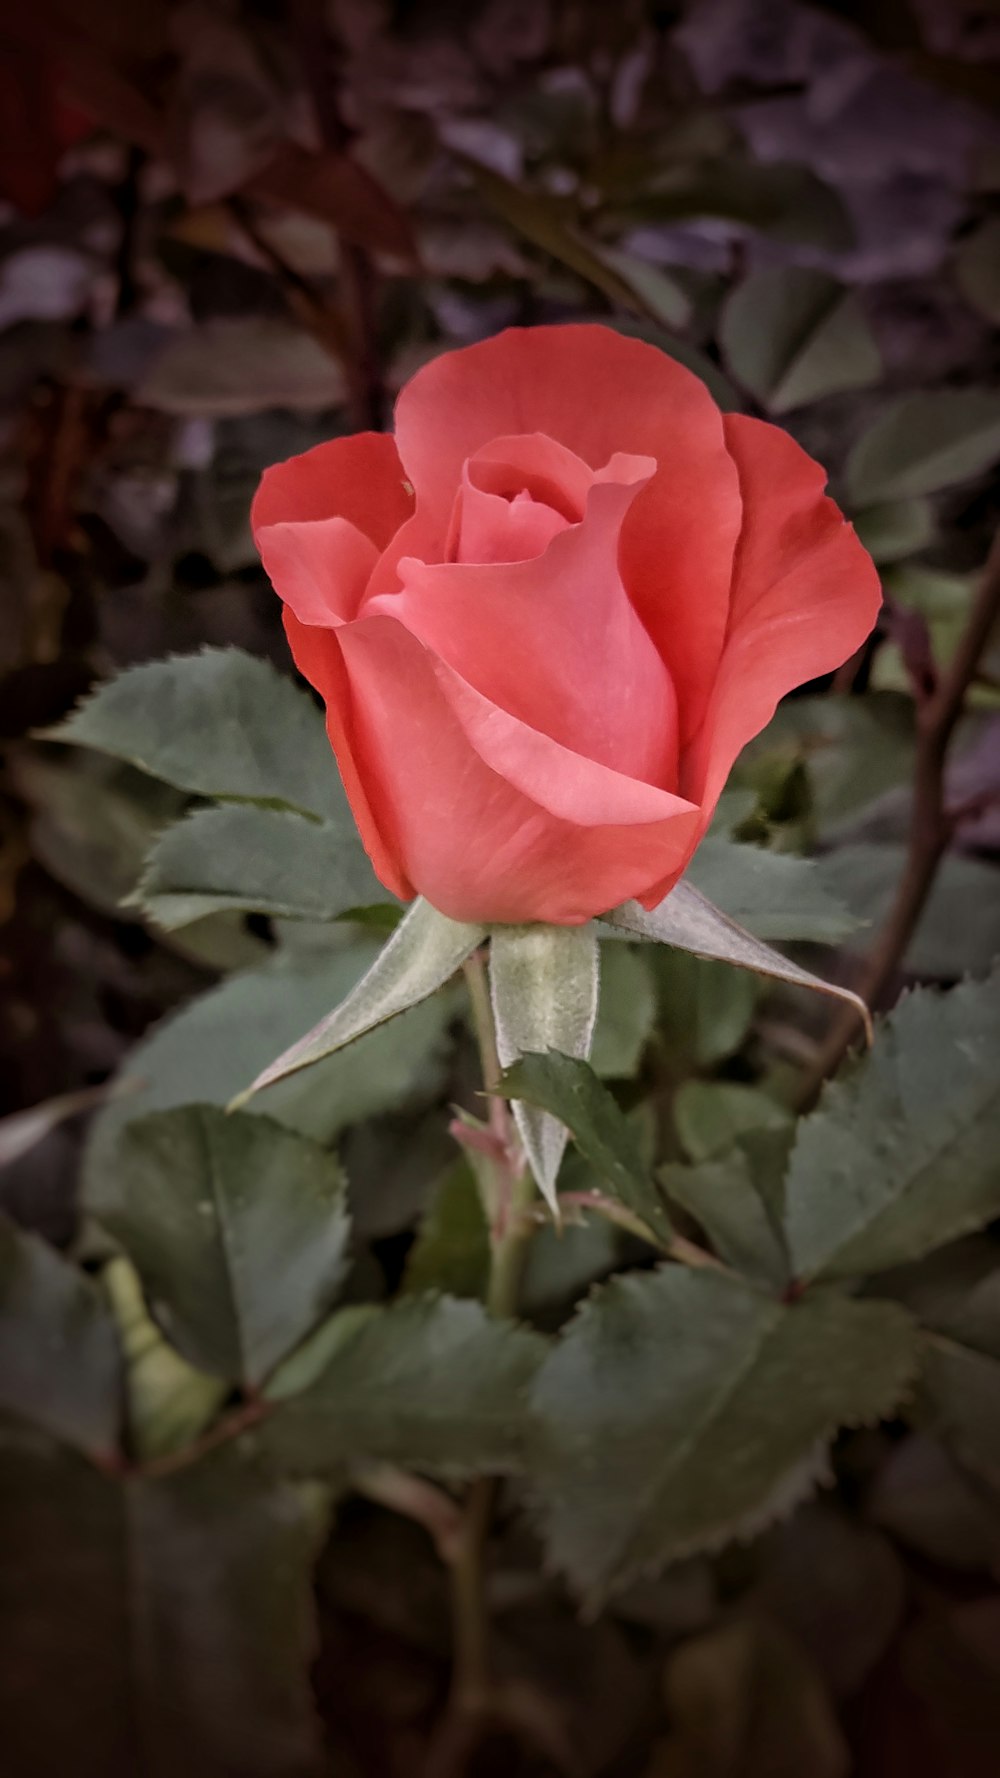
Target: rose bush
(546, 616)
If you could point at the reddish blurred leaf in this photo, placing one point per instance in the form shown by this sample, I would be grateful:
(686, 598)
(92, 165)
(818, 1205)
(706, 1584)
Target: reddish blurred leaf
(338, 190)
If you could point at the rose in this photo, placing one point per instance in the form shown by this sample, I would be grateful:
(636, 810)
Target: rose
(546, 617)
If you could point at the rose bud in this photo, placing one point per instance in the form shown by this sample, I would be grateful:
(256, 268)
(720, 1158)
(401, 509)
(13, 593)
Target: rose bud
(548, 613)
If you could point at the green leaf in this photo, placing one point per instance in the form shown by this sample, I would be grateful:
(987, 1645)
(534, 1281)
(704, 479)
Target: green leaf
(737, 1201)
(238, 1230)
(772, 894)
(954, 1291)
(711, 1115)
(60, 1364)
(240, 364)
(687, 919)
(900, 1157)
(977, 268)
(621, 277)
(217, 724)
(705, 1009)
(684, 1408)
(452, 1250)
(650, 288)
(93, 821)
(626, 1014)
(854, 750)
(168, 1402)
(792, 334)
(422, 954)
(544, 983)
(429, 1383)
(208, 1050)
(257, 860)
(924, 442)
(570, 1091)
(171, 1618)
(959, 929)
(895, 529)
(743, 1697)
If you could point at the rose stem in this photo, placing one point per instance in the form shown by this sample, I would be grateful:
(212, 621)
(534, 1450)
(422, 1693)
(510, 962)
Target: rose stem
(509, 1239)
(932, 825)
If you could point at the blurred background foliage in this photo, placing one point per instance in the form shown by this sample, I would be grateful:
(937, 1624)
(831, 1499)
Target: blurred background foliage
(231, 228)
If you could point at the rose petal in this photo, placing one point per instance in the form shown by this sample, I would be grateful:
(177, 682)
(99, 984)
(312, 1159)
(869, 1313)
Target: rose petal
(322, 567)
(495, 821)
(805, 596)
(359, 479)
(316, 653)
(595, 391)
(320, 519)
(555, 641)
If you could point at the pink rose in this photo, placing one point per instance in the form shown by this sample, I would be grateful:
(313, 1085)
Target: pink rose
(546, 616)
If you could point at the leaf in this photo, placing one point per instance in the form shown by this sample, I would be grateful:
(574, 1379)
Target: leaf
(544, 983)
(920, 1496)
(540, 219)
(235, 365)
(684, 1408)
(895, 529)
(711, 1115)
(954, 1291)
(854, 750)
(422, 954)
(959, 929)
(452, 1250)
(428, 1383)
(93, 822)
(570, 1091)
(977, 268)
(652, 289)
(218, 724)
(925, 442)
(744, 1698)
(705, 1009)
(772, 894)
(268, 861)
(687, 919)
(21, 1131)
(238, 1230)
(732, 1198)
(792, 334)
(172, 1619)
(60, 1365)
(900, 1156)
(208, 1050)
(168, 1402)
(836, 1586)
(958, 1402)
(334, 187)
(626, 1013)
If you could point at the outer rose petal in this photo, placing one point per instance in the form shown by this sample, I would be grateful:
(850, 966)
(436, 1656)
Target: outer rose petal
(316, 653)
(359, 479)
(597, 392)
(320, 520)
(805, 596)
(554, 640)
(493, 820)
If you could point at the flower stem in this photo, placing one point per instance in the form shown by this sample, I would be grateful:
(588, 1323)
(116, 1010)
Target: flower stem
(509, 1238)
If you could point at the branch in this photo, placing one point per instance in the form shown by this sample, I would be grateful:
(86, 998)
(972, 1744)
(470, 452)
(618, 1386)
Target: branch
(932, 824)
(317, 54)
